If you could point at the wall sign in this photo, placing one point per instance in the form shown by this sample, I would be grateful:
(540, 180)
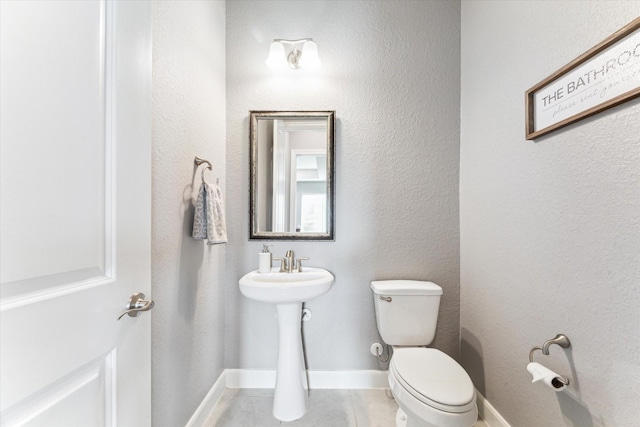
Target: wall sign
(605, 76)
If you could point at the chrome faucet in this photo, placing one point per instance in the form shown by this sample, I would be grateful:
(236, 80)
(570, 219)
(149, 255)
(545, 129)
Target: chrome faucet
(299, 264)
(288, 262)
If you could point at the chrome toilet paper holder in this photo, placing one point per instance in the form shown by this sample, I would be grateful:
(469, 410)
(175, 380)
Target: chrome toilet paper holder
(562, 340)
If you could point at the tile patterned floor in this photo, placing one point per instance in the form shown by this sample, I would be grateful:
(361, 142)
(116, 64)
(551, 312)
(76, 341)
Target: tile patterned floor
(327, 408)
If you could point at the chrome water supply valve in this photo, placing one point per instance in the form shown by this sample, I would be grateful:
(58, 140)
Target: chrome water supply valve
(376, 349)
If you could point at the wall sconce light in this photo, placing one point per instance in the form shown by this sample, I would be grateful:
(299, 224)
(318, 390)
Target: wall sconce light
(296, 54)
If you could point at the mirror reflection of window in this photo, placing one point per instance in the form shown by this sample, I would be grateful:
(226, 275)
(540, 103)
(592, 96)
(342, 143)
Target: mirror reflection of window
(301, 154)
(310, 191)
(312, 213)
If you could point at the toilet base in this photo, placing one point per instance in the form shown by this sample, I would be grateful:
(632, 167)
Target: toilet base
(401, 418)
(403, 421)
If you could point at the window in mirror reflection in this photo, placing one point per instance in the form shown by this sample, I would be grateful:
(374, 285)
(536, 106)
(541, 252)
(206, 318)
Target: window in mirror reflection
(310, 192)
(299, 146)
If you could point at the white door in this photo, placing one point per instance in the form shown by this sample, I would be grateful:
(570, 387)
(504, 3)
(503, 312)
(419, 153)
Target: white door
(75, 153)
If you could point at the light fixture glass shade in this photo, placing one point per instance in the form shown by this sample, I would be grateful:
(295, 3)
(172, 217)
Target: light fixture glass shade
(309, 58)
(277, 57)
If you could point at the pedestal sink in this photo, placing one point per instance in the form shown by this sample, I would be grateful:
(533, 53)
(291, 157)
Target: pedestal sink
(288, 291)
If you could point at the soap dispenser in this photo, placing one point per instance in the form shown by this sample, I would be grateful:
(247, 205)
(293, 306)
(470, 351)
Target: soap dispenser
(264, 259)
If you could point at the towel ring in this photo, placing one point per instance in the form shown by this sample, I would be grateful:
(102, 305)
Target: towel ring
(198, 161)
(203, 171)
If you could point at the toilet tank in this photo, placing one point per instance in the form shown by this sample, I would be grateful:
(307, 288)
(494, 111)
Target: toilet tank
(406, 311)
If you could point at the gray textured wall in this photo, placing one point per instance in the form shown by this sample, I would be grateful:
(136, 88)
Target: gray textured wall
(187, 275)
(392, 75)
(550, 230)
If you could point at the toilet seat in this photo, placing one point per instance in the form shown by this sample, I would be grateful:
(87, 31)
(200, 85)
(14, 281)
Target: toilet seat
(433, 378)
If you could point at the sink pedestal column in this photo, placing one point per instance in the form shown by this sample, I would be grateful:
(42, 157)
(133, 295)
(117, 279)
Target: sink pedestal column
(290, 399)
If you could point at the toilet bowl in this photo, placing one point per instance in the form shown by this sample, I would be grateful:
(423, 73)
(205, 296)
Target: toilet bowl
(431, 389)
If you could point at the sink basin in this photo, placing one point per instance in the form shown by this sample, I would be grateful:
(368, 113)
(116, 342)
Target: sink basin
(282, 288)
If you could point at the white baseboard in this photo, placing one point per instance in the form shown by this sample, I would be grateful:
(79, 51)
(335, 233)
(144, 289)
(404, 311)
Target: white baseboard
(488, 413)
(348, 379)
(258, 378)
(205, 408)
(250, 378)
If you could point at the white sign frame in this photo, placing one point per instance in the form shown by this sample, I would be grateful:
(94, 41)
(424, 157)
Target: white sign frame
(603, 77)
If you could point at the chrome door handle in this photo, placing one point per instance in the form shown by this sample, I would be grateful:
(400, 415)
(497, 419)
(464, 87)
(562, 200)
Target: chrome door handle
(137, 303)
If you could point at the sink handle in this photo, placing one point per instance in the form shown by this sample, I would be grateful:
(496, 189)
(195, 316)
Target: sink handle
(283, 264)
(299, 263)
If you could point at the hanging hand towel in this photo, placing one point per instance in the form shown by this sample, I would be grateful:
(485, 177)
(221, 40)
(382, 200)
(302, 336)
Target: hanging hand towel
(208, 221)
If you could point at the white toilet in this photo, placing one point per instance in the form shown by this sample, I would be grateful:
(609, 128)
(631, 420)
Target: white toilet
(431, 388)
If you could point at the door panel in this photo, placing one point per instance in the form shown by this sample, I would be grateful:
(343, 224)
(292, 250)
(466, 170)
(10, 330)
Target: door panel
(75, 212)
(54, 118)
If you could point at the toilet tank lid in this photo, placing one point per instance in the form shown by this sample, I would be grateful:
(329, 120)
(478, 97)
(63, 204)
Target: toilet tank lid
(405, 287)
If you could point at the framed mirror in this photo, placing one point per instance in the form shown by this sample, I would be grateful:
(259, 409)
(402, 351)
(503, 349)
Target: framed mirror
(292, 175)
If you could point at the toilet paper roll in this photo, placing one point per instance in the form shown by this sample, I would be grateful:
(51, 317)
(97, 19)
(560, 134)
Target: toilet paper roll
(547, 376)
